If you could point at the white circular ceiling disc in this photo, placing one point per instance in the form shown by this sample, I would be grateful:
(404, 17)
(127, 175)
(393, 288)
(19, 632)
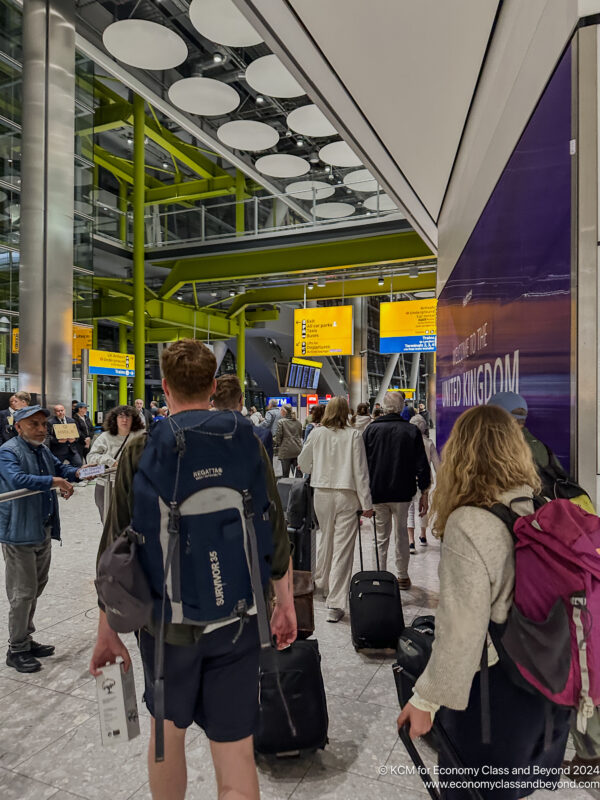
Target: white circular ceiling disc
(144, 44)
(338, 154)
(246, 134)
(204, 96)
(281, 165)
(334, 210)
(385, 203)
(303, 190)
(361, 181)
(221, 22)
(310, 121)
(267, 75)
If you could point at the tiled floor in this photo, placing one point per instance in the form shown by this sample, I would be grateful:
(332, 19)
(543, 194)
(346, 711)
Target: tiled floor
(49, 733)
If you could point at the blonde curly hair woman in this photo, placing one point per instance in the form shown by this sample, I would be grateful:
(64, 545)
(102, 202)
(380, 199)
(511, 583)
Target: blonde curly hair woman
(486, 460)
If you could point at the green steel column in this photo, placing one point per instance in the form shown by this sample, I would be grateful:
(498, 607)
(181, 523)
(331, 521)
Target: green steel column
(240, 192)
(123, 210)
(139, 322)
(122, 349)
(241, 349)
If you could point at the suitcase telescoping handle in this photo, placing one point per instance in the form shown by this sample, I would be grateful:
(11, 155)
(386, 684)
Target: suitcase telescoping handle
(446, 747)
(360, 550)
(417, 761)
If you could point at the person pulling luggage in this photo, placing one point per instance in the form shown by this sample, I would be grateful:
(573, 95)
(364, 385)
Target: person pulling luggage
(485, 461)
(202, 462)
(334, 456)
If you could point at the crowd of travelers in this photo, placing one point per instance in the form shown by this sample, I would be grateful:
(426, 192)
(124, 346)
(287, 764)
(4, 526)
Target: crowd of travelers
(380, 464)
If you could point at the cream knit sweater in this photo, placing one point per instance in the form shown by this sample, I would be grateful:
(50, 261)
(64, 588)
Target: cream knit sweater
(477, 576)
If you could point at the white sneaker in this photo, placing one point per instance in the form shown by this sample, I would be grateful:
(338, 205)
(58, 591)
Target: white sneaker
(335, 614)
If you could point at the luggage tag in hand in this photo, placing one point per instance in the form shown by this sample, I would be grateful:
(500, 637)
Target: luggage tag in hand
(92, 471)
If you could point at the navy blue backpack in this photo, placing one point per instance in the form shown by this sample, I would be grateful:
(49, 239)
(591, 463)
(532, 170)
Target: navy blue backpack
(201, 521)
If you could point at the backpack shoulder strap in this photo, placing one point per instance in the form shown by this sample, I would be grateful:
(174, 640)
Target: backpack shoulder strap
(506, 514)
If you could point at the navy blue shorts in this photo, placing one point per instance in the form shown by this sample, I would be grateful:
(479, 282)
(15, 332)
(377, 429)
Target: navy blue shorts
(213, 682)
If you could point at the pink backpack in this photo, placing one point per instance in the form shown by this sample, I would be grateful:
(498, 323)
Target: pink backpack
(551, 639)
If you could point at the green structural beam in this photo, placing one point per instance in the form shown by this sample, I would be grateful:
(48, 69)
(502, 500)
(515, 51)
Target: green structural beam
(362, 287)
(324, 256)
(191, 190)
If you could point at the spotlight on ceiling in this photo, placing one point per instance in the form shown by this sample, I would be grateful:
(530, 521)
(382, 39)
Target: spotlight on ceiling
(180, 297)
(327, 168)
(331, 176)
(310, 285)
(300, 142)
(413, 272)
(214, 294)
(165, 164)
(130, 140)
(260, 100)
(380, 282)
(314, 159)
(321, 283)
(232, 293)
(341, 380)
(218, 57)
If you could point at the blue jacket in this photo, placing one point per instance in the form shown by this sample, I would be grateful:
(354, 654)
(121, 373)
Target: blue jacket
(21, 520)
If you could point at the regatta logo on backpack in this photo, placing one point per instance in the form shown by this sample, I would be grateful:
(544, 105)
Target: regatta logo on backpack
(212, 472)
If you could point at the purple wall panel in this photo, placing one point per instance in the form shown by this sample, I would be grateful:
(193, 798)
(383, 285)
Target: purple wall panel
(504, 316)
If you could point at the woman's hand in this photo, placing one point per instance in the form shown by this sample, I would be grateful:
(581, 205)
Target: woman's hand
(419, 722)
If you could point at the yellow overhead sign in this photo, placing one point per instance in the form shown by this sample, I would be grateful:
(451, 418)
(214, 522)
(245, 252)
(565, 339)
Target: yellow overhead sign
(82, 340)
(409, 326)
(106, 363)
(323, 331)
(306, 363)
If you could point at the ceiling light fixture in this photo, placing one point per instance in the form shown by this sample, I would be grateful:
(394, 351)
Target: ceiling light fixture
(130, 140)
(299, 142)
(327, 168)
(165, 164)
(380, 282)
(218, 57)
(214, 294)
(232, 293)
(260, 100)
(331, 177)
(180, 297)
(310, 285)
(321, 283)
(413, 272)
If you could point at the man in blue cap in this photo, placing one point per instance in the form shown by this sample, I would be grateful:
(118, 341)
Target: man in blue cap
(27, 527)
(548, 466)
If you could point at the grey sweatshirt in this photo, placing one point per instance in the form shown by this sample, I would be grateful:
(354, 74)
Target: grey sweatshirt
(477, 577)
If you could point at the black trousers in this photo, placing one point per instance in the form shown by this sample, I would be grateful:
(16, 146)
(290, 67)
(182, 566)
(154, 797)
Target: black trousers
(518, 722)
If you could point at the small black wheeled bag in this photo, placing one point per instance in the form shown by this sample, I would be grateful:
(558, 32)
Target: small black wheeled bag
(376, 618)
(293, 674)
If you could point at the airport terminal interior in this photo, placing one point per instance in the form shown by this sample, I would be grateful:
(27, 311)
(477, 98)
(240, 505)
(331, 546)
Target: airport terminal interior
(340, 198)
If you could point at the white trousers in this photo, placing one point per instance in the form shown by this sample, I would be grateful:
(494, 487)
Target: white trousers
(385, 513)
(336, 511)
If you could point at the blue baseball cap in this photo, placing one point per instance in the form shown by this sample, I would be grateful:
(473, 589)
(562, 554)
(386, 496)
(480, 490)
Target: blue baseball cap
(29, 411)
(511, 402)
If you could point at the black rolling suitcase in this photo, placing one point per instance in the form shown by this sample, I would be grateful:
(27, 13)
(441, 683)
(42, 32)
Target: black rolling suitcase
(376, 618)
(297, 674)
(412, 655)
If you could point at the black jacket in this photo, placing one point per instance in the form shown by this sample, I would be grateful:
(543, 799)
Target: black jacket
(6, 431)
(61, 449)
(397, 459)
(85, 428)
